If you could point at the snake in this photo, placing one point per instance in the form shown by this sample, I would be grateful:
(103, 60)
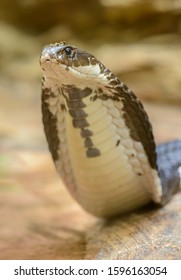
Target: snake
(100, 136)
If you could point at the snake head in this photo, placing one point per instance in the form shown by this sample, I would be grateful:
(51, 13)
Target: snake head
(62, 61)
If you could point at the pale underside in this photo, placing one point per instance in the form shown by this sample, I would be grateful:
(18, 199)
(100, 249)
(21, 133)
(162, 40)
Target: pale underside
(120, 178)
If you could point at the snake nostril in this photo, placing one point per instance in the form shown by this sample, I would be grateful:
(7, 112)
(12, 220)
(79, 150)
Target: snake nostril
(44, 59)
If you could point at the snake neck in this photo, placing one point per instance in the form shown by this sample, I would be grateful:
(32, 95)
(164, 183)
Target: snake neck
(95, 151)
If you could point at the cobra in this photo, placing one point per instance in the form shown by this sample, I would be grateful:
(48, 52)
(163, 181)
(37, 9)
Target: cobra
(100, 136)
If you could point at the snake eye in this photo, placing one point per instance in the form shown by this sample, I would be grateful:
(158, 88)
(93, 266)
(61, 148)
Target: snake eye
(68, 51)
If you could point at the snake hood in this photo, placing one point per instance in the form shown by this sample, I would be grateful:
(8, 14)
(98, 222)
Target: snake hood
(100, 136)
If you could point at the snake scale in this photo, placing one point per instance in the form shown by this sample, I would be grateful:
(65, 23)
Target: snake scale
(100, 136)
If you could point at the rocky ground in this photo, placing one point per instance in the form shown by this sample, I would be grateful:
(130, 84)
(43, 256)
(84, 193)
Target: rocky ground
(140, 42)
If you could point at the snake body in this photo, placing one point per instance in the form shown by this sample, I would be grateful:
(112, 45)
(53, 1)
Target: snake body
(100, 136)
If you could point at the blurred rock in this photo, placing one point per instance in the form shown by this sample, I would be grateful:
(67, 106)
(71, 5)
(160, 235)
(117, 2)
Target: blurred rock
(96, 20)
(37, 16)
(19, 53)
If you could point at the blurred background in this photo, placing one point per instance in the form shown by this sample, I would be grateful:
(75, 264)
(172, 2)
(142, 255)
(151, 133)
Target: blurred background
(138, 40)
